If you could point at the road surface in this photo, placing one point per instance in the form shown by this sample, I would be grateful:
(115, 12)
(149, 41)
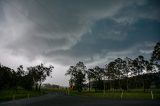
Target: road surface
(59, 99)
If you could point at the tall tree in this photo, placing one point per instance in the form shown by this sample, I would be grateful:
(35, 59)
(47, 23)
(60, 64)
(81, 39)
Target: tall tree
(140, 65)
(39, 74)
(155, 58)
(72, 72)
(119, 67)
(20, 71)
(111, 72)
(127, 69)
(98, 76)
(90, 76)
(19, 74)
(80, 76)
(5, 77)
(77, 74)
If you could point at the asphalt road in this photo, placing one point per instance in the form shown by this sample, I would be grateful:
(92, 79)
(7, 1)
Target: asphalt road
(59, 99)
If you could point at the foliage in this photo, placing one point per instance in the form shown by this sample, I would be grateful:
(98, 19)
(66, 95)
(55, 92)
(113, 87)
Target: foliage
(155, 58)
(39, 74)
(77, 74)
(120, 73)
(21, 78)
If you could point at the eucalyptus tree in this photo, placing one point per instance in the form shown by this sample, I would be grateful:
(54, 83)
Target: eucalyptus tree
(140, 65)
(80, 76)
(119, 67)
(127, 69)
(17, 77)
(155, 60)
(98, 75)
(20, 71)
(77, 74)
(72, 72)
(5, 77)
(107, 77)
(90, 76)
(111, 72)
(20, 74)
(39, 74)
(147, 77)
(155, 57)
(27, 81)
(150, 67)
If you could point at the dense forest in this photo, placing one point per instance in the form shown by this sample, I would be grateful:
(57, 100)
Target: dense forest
(124, 74)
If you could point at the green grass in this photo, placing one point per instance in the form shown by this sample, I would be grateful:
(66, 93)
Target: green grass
(55, 90)
(131, 94)
(6, 95)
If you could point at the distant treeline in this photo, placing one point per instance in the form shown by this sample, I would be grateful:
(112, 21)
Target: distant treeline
(29, 79)
(145, 81)
(121, 73)
(48, 85)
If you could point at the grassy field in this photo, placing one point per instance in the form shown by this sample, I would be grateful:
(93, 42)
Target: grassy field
(130, 94)
(55, 90)
(6, 95)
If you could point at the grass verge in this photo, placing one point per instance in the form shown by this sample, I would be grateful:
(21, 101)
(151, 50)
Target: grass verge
(131, 94)
(6, 95)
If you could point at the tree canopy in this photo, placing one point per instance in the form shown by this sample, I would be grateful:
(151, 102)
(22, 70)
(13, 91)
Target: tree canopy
(121, 73)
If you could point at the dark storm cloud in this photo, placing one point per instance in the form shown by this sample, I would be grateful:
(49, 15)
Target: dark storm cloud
(73, 30)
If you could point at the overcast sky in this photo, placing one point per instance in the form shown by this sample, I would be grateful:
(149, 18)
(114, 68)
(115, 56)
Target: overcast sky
(63, 32)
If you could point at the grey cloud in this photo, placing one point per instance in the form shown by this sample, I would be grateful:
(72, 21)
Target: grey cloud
(145, 9)
(63, 32)
(56, 29)
(71, 19)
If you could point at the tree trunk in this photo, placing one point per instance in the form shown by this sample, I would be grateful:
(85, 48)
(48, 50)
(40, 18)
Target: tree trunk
(89, 85)
(110, 84)
(104, 86)
(36, 87)
(119, 81)
(127, 83)
(143, 84)
(39, 87)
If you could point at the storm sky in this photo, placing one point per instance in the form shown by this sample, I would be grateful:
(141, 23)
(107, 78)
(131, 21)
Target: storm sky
(63, 32)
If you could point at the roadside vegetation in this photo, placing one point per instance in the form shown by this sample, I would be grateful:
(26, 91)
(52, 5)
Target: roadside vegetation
(126, 95)
(122, 78)
(6, 95)
(22, 83)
